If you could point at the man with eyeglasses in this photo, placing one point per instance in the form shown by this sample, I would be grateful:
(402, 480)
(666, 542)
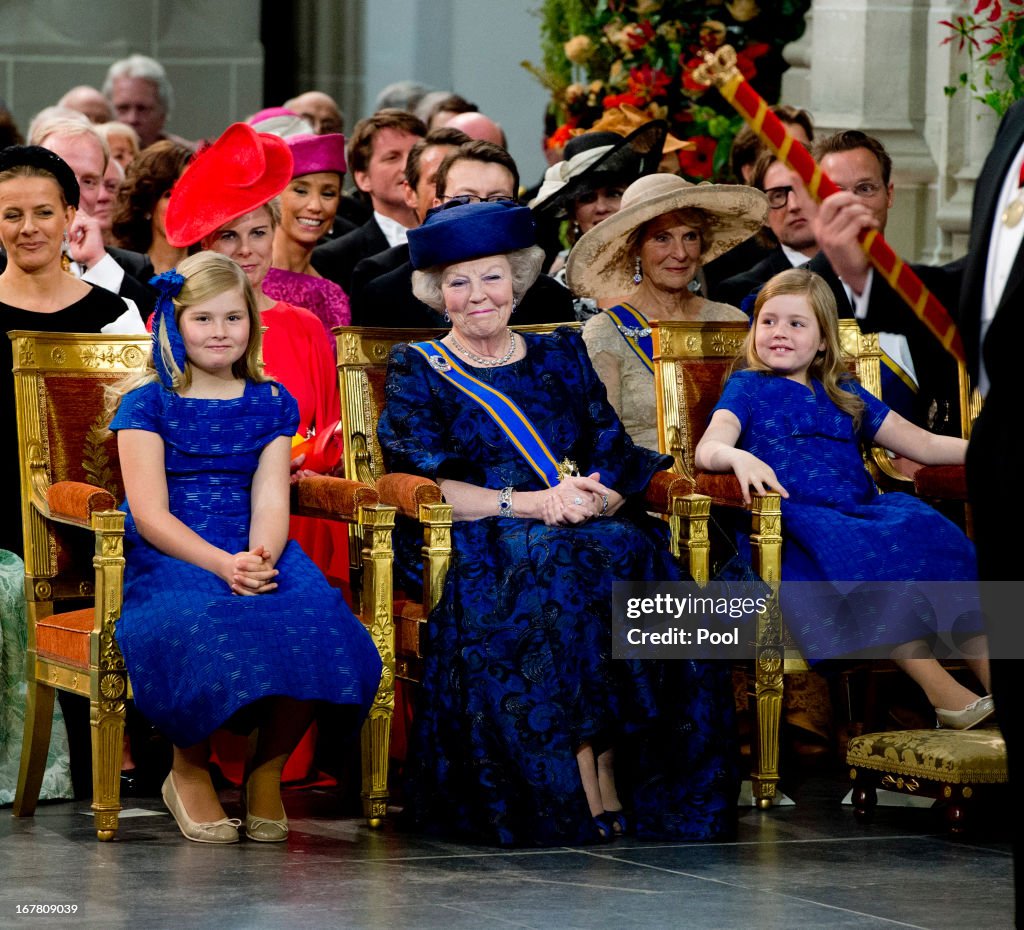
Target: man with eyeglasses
(419, 186)
(861, 167)
(791, 211)
(476, 171)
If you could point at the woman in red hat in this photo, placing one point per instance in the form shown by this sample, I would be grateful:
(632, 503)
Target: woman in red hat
(308, 206)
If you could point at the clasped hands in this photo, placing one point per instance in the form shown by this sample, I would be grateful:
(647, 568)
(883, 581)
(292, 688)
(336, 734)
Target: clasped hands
(578, 499)
(252, 572)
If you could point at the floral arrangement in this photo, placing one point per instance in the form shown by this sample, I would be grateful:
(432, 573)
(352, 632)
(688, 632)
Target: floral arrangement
(602, 53)
(993, 38)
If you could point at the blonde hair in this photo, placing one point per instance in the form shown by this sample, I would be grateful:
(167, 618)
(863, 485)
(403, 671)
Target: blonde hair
(207, 275)
(828, 366)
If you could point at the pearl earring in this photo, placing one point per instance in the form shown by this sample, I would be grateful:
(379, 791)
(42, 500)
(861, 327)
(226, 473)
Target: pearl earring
(515, 303)
(447, 318)
(638, 272)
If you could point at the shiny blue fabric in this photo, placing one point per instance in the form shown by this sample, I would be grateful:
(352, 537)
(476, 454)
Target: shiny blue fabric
(835, 524)
(195, 652)
(518, 670)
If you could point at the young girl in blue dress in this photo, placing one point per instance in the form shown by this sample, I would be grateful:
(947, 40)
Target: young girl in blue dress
(220, 612)
(792, 421)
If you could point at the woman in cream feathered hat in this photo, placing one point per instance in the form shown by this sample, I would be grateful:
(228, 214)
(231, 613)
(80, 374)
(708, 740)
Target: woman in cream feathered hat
(647, 257)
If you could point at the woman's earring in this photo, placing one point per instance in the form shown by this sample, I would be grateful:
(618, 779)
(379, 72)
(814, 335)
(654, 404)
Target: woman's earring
(447, 318)
(575, 230)
(515, 303)
(638, 272)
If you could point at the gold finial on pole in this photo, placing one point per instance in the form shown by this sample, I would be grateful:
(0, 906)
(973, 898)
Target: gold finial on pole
(719, 67)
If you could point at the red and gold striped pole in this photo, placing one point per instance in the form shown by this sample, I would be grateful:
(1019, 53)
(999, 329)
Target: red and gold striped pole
(720, 69)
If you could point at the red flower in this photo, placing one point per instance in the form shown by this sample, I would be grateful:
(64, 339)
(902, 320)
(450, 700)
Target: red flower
(610, 102)
(746, 57)
(689, 84)
(648, 82)
(639, 34)
(699, 161)
(997, 9)
(561, 135)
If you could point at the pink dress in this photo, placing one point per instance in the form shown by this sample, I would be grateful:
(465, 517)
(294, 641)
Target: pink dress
(324, 298)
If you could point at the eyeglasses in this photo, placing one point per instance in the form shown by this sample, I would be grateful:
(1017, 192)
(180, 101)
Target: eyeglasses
(778, 197)
(865, 189)
(460, 200)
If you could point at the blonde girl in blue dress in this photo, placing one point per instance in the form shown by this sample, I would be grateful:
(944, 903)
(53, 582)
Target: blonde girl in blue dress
(792, 421)
(222, 613)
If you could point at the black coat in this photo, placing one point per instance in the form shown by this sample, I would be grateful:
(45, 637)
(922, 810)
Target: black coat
(337, 259)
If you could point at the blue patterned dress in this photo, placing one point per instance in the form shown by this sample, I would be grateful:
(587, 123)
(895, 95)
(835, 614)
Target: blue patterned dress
(195, 652)
(518, 670)
(836, 527)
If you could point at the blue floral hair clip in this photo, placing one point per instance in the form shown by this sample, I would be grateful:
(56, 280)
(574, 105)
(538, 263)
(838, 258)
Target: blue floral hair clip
(168, 286)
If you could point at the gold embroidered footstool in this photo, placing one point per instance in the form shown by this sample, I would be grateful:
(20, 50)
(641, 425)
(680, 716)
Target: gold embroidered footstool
(948, 765)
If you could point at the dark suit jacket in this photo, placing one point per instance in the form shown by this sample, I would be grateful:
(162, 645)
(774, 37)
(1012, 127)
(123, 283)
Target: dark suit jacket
(736, 261)
(389, 301)
(371, 268)
(337, 259)
(733, 290)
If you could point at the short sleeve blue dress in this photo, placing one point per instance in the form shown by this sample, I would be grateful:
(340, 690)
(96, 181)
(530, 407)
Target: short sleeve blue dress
(836, 526)
(518, 669)
(195, 652)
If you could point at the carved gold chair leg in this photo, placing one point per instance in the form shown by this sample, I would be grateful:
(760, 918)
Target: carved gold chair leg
(689, 528)
(107, 724)
(769, 658)
(36, 744)
(378, 523)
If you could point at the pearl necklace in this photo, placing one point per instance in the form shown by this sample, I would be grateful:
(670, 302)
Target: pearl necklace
(488, 362)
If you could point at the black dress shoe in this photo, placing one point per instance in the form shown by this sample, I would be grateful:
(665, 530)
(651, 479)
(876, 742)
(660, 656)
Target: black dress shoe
(131, 784)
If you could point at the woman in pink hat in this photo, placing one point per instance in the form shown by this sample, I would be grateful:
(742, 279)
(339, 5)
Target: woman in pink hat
(308, 206)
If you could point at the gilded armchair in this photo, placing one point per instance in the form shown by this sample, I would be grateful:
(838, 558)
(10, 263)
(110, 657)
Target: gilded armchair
(74, 561)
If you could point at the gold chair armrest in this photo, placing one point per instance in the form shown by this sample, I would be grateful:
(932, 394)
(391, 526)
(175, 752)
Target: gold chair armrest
(332, 498)
(408, 493)
(74, 502)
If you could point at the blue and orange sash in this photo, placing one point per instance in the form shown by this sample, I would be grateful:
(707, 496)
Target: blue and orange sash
(636, 330)
(503, 410)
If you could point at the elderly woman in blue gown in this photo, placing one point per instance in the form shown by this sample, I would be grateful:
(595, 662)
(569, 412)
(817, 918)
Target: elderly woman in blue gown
(527, 731)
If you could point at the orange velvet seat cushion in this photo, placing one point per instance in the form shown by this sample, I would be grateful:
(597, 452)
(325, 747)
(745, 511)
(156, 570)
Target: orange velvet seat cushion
(946, 482)
(65, 637)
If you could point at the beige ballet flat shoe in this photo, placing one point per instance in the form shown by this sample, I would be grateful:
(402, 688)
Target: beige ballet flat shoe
(218, 831)
(973, 714)
(261, 829)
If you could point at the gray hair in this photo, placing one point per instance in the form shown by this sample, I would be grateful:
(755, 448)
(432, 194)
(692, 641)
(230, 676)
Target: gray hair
(58, 125)
(401, 95)
(146, 69)
(524, 263)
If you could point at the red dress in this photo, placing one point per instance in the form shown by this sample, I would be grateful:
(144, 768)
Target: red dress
(296, 354)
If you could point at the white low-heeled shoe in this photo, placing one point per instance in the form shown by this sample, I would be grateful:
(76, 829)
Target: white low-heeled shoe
(217, 831)
(974, 713)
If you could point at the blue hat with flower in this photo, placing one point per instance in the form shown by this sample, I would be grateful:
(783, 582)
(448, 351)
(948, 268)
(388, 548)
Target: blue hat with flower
(458, 232)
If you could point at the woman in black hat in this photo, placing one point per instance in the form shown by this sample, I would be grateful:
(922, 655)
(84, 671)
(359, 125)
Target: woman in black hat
(586, 187)
(525, 729)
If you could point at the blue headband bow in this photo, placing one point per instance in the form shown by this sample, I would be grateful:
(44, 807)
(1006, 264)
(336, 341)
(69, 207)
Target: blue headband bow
(168, 286)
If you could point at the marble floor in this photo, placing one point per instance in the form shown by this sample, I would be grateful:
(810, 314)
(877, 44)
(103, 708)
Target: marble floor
(809, 865)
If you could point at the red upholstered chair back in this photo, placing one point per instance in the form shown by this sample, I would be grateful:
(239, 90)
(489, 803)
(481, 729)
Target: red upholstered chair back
(60, 380)
(691, 364)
